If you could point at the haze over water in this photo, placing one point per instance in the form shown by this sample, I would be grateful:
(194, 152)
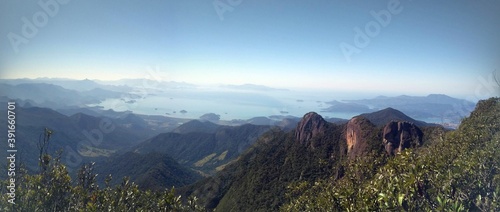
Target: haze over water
(232, 104)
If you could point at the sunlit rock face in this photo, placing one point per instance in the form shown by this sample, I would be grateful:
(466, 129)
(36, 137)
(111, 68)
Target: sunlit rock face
(358, 136)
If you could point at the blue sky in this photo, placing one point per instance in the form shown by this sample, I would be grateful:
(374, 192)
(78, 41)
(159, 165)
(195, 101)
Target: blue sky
(427, 47)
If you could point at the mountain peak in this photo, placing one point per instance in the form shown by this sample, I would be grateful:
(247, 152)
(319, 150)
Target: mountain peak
(311, 125)
(382, 117)
(438, 95)
(390, 109)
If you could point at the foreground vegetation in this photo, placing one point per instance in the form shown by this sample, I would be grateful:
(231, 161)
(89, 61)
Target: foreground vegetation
(459, 172)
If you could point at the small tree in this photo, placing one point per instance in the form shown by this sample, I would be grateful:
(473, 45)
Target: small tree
(43, 146)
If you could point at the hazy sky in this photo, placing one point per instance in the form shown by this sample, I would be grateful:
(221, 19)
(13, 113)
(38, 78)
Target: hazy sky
(424, 47)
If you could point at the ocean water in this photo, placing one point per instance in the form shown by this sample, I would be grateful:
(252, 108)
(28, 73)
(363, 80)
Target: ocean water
(228, 104)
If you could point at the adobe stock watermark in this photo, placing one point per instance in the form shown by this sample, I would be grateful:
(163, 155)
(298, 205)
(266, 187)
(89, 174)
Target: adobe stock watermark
(95, 137)
(40, 19)
(363, 36)
(223, 6)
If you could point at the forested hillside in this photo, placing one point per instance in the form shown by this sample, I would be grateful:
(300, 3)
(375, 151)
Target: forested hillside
(153, 171)
(203, 146)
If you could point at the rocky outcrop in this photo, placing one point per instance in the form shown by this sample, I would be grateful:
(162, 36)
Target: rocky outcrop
(311, 125)
(359, 136)
(399, 135)
(352, 134)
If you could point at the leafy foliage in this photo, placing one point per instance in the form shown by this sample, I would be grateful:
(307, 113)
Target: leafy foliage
(456, 172)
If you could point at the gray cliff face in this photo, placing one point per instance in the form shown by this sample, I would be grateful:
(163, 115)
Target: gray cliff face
(311, 125)
(399, 135)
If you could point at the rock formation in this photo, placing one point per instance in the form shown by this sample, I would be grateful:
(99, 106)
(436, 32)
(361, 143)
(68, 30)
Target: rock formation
(399, 135)
(311, 125)
(359, 136)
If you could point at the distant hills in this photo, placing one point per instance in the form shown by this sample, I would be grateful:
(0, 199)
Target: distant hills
(79, 135)
(384, 116)
(253, 87)
(197, 126)
(203, 146)
(151, 83)
(31, 123)
(67, 96)
(438, 107)
(71, 84)
(54, 96)
(284, 122)
(336, 106)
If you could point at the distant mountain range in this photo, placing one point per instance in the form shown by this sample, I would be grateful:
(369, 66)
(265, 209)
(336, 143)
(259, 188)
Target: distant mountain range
(54, 96)
(197, 126)
(384, 116)
(67, 95)
(80, 134)
(253, 87)
(71, 84)
(438, 107)
(336, 106)
(150, 83)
